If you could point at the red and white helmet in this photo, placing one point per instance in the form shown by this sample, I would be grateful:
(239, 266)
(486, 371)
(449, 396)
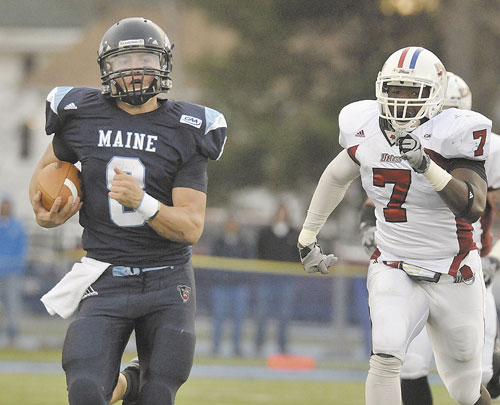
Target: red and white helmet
(458, 94)
(411, 67)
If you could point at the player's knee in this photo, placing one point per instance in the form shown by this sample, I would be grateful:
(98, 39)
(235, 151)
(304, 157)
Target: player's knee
(385, 365)
(464, 387)
(84, 391)
(462, 343)
(465, 397)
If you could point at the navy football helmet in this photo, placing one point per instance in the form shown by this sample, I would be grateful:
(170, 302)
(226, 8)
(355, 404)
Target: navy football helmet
(132, 49)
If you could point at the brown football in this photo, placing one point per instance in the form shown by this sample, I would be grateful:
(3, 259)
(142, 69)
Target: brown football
(59, 179)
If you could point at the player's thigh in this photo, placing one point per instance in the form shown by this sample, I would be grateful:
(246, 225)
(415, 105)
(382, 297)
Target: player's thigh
(93, 348)
(398, 309)
(165, 343)
(456, 330)
(418, 357)
(457, 314)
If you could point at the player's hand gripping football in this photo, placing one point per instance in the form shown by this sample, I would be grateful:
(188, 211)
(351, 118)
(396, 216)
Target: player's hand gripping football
(125, 189)
(411, 150)
(314, 260)
(58, 213)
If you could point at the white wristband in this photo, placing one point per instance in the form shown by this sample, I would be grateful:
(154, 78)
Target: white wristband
(495, 250)
(148, 207)
(437, 177)
(306, 237)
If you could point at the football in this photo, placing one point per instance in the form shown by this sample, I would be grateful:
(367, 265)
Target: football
(59, 179)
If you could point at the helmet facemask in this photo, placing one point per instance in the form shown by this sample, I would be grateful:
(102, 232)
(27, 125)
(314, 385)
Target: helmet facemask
(135, 76)
(400, 111)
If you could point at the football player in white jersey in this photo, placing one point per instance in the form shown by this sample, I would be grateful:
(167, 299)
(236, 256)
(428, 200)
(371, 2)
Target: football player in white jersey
(414, 383)
(424, 171)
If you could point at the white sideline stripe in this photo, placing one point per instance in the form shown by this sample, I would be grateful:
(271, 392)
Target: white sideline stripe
(68, 183)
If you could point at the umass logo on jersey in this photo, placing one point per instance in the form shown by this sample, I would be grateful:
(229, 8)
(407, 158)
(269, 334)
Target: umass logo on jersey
(386, 157)
(184, 291)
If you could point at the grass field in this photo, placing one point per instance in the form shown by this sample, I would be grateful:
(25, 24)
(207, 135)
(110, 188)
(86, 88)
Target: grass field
(42, 389)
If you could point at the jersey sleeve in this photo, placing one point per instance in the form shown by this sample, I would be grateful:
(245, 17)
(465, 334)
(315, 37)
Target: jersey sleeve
(214, 137)
(353, 120)
(193, 174)
(54, 122)
(465, 135)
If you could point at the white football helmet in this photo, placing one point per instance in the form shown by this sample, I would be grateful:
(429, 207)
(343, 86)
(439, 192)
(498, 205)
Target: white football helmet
(411, 67)
(458, 94)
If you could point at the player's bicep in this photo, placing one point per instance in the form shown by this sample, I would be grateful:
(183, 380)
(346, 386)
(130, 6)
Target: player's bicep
(479, 187)
(194, 201)
(472, 177)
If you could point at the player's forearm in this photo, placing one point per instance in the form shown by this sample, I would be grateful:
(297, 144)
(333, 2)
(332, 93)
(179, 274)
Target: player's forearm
(178, 224)
(328, 194)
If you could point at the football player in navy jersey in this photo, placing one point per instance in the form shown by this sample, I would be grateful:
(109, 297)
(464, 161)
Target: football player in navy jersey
(144, 174)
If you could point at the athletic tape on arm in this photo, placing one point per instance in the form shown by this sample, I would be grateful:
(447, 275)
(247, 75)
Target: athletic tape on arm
(329, 193)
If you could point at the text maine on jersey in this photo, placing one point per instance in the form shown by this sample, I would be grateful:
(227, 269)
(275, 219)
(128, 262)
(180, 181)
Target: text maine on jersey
(132, 140)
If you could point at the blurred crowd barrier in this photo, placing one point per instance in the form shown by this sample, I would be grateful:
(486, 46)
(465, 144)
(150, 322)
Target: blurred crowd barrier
(325, 311)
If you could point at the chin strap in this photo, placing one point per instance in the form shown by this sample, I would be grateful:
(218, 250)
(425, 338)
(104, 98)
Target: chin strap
(138, 97)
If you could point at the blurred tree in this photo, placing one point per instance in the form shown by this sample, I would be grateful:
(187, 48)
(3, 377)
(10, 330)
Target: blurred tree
(296, 64)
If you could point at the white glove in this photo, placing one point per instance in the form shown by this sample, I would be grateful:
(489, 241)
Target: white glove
(411, 150)
(368, 238)
(314, 260)
(491, 265)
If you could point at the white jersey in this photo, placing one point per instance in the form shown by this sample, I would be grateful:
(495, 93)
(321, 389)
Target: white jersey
(482, 228)
(414, 225)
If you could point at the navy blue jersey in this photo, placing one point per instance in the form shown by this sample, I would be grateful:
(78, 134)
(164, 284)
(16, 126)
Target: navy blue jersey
(162, 149)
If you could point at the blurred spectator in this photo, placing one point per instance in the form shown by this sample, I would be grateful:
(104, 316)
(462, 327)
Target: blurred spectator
(231, 290)
(275, 293)
(13, 253)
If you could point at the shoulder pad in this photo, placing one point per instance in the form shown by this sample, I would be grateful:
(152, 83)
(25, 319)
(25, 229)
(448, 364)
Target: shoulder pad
(461, 134)
(208, 125)
(354, 121)
(56, 95)
(214, 137)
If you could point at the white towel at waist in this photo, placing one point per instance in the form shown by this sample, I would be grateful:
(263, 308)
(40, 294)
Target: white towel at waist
(64, 297)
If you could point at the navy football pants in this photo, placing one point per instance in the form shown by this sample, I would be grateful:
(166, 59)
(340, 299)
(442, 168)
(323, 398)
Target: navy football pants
(160, 306)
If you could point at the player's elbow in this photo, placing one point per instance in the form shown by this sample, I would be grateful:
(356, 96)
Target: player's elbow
(472, 218)
(476, 210)
(189, 234)
(194, 234)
